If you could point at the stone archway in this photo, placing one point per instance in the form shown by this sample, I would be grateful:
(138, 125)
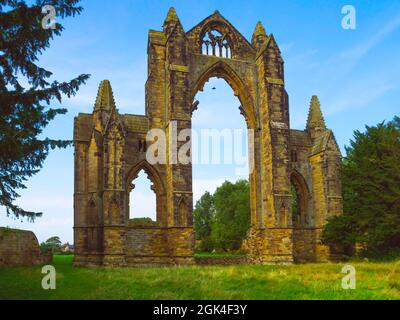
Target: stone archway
(157, 187)
(110, 149)
(303, 222)
(221, 69)
(303, 197)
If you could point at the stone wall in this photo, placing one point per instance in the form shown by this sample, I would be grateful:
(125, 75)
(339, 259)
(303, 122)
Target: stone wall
(221, 261)
(21, 248)
(270, 246)
(159, 246)
(304, 245)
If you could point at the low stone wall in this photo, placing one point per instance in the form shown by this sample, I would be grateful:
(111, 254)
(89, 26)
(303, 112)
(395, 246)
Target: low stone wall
(304, 245)
(156, 241)
(221, 261)
(21, 248)
(270, 246)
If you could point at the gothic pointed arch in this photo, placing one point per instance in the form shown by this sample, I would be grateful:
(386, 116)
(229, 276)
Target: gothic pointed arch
(157, 186)
(108, 158)
(300, 216)
(216, 22)
(152, 174)
(221, 69)
(114, 124)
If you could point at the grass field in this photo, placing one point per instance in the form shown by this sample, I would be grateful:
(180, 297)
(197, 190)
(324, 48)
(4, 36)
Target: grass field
(309, 281)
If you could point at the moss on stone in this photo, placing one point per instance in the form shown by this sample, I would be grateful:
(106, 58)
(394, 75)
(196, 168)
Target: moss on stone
(142, 222)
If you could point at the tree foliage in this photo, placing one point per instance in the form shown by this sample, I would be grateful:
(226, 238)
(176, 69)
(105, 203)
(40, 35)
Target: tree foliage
(53, 244)
(221, 221)
(26, 90)
(203, 215)
(371, 189)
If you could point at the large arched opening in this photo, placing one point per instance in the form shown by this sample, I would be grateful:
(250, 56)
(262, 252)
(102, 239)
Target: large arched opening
(222, 151)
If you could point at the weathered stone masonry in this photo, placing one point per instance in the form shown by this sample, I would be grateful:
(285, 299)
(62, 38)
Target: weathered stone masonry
(110, 150)
(20, 248)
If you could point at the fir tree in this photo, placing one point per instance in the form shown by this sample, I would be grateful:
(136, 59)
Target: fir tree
(371, 175)
(26, 92)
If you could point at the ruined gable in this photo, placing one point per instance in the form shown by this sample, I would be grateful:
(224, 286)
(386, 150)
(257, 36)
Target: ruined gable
(179, 64)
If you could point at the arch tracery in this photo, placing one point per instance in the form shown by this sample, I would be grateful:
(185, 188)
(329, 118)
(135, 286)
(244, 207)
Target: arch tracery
(217, 39)
(152, 174)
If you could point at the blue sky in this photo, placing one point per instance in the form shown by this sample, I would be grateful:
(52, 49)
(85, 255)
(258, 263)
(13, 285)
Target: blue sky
(355, 73)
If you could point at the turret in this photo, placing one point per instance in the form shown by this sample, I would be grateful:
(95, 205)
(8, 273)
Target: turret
(315, 122)
(170, 21)
(259, 36)
(103, 106)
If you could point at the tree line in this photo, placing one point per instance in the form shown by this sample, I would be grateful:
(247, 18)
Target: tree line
(221, 220)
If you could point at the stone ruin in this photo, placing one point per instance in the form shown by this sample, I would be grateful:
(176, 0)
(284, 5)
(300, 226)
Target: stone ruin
(21, 248)
(110, 151)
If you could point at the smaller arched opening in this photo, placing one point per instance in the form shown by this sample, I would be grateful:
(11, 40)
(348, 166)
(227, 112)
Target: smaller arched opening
(143, 196)
(300, 197)
(142, 200)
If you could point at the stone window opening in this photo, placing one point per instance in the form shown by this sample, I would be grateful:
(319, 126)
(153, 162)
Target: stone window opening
(214, 43)
(142, 200)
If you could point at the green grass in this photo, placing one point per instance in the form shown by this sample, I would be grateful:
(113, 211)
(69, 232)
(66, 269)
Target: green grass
(308, 281)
